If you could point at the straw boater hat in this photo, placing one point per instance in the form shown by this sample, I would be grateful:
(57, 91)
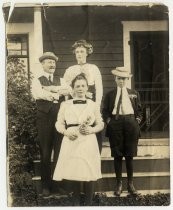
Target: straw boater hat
(48, 55)
(121, 72)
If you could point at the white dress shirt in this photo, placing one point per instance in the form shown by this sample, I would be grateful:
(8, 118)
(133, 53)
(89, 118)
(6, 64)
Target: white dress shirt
(126, 106)
(38, 92)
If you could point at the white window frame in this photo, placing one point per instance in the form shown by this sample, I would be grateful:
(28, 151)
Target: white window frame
(21, 28)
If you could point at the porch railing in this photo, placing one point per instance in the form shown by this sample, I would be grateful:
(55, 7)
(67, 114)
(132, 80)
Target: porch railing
(155, 103)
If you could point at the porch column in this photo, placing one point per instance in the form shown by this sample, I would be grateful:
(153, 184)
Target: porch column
(38, 39)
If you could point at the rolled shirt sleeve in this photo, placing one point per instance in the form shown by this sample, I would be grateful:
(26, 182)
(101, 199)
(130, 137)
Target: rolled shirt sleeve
(39, 93)
(60, 123)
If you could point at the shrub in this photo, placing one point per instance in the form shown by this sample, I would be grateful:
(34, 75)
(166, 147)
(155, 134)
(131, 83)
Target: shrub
(21, 113)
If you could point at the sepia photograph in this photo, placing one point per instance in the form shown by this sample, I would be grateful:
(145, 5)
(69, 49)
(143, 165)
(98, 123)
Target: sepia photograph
(87, 104)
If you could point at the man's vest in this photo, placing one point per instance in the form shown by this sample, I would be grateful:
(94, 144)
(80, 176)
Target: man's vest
(44, 105)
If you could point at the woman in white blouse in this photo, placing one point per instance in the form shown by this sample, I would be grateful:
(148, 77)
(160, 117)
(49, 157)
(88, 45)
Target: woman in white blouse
(82, 50)
(79, 120)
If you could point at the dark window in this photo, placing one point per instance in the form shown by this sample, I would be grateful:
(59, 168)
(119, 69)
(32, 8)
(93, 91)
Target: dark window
(17, 47)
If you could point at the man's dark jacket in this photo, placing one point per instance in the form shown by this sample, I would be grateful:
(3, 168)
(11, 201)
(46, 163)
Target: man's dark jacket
(109, 103)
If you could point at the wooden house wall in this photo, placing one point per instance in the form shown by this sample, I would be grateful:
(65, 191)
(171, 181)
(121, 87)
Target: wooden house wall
(62, 26)
(104, 34)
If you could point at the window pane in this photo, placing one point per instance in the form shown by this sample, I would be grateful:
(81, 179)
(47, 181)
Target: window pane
(24, 45)
(24, 52)
(14, 48)
(17, 45)
(14, 52)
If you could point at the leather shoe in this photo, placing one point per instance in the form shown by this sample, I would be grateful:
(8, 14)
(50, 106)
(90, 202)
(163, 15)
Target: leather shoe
(131, 189)
(118, 189)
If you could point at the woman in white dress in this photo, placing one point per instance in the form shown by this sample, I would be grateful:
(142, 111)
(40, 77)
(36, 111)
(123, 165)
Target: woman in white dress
(79, 119)
(82, 49)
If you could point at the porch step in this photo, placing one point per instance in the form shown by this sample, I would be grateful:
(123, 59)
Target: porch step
(143, 181)
(151, 158)
(151, 169)
(141, 192)
(147, 164)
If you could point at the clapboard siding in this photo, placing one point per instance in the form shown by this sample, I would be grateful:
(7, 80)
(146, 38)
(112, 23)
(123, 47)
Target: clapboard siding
(97, 50)
(101, 44)
(106, 72)
(94, 57)
(58, 36)
(101, 64)
(104, 33)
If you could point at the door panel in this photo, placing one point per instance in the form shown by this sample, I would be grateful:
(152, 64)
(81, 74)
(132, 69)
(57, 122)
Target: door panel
(150, 63)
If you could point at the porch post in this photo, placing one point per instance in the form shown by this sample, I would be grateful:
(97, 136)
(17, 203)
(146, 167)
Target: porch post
(38, 39)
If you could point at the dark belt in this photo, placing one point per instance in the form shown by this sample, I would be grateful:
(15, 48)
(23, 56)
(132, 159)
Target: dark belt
(72, 125)
(75, 125)
(123, 116)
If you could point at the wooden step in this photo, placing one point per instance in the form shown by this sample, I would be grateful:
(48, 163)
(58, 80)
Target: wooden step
(144, 151)
(142, 181)
(140, 165)
(150, 159)
(141, 192)
(146, 141)
(151, 168)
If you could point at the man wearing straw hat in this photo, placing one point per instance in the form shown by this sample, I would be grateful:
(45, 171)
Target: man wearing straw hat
(122, 113)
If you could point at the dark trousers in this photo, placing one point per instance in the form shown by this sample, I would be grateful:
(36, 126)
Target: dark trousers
(49, 139)
(123, 136)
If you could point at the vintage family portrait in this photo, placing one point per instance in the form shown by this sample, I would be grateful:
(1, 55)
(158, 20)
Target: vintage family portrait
(87, 103)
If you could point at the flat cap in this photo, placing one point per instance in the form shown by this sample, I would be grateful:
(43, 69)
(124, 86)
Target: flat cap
(48, 55)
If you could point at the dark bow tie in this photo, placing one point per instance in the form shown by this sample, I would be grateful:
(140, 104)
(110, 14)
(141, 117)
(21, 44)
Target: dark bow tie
(79, 102)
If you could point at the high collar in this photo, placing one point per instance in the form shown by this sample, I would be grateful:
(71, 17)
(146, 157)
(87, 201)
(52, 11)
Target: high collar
(82, 99)
(82, 64)
(123, 88)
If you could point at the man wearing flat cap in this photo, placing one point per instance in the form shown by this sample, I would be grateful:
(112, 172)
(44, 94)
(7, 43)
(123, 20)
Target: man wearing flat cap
(48, 95)
(122, 113)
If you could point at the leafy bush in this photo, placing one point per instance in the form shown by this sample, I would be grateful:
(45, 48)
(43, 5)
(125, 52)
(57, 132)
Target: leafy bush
(158, 199)
(21, 113)
(101, 199)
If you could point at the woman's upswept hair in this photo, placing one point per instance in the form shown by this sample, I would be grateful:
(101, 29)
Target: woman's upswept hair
(83, 43)
(79, 77)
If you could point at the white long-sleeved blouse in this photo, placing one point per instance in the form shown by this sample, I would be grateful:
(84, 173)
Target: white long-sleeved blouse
(69, 114)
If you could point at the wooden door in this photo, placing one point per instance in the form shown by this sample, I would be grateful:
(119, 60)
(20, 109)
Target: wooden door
(150, 66)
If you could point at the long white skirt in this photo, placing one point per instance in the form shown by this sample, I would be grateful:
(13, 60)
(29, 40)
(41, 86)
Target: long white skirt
(79, 160)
